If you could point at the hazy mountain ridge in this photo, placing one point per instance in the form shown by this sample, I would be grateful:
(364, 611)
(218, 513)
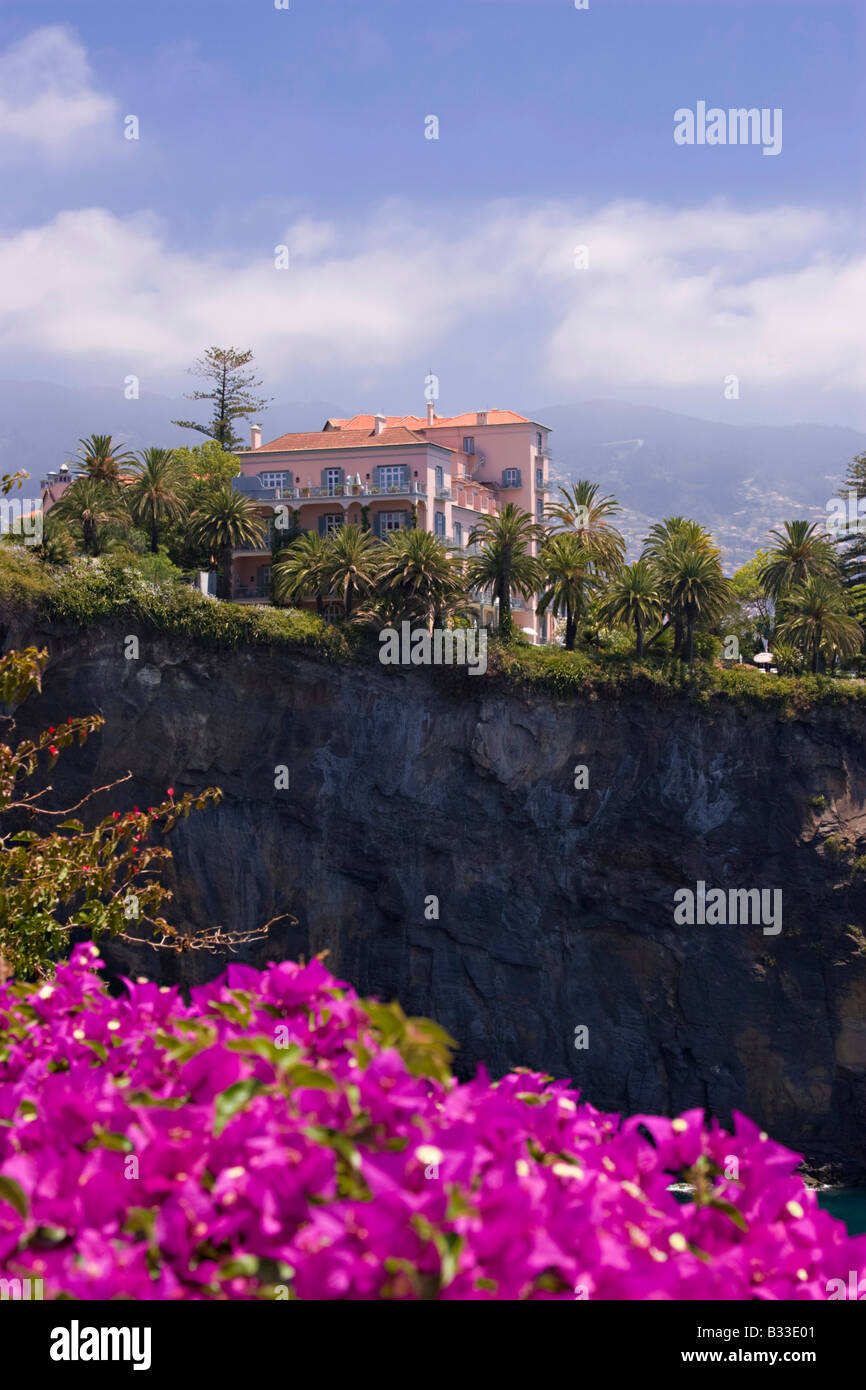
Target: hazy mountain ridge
(740, 480)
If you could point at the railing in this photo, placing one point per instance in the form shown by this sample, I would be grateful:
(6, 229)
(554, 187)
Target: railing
(304, 494)
(240, 592)
(443, 493)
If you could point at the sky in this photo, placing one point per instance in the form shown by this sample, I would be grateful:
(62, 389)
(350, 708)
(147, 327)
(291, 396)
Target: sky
(716, 279)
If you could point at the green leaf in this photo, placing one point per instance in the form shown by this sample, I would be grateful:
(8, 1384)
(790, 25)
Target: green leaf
(720, 1204)
(13, 1193)
(232, 1100)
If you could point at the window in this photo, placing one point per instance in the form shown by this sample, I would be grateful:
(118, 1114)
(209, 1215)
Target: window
(469, 445)
(391, 521)
(329, 523)
(280, 480)
(392, 475)
(439, 523)
(539, 441)
(539, 510)
(333, 478)
(440, 478)
(511, 477)
(539, 477)
(458, 533)
(264, 576)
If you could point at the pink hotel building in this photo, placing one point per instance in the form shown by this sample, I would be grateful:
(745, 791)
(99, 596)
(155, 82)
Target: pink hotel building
(449, 470)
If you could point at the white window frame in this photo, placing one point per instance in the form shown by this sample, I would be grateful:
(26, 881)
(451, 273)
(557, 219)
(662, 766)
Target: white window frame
(386, 480)
(511, 477)
(333, 480)
(389, 522)
(274, 480)
(458, 533)
(439, 525)
(332, 521)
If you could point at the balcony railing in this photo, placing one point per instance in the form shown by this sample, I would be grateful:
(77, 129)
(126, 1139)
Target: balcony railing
(301, 493)
(250, 593)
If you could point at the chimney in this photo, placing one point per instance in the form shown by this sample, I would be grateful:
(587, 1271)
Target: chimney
(431, 412)
(481, 417)
(379, 423)
(255, 436)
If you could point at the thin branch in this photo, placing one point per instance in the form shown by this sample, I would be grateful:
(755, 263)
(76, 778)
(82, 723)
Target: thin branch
(213, 940)
(27, 804)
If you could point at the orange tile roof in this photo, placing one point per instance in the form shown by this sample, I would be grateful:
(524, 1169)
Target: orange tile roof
(341, 439)
(494, 417)
(359, 431)
(419, 422)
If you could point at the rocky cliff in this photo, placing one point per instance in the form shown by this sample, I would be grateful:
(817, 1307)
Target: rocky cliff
(555, 904)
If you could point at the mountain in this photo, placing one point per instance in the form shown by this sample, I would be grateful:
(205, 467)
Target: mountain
(739, 480)
(41, 422)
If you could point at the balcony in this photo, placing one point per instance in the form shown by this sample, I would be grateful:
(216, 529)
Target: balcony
(443, 494)
(250, 593)
(251, 488)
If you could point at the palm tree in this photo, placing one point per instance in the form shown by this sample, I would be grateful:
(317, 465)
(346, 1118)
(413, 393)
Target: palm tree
(90, 504)
(57, 546)
(417, 568)
(664, 540)
(565, 563)
(819, 615)
(101, 458)
(302, 570)
(156, 494)
(695, 586)
(581, 511)
(506, 562)
(635, 599)
(226, 521)
(353, 564)
(801, 553)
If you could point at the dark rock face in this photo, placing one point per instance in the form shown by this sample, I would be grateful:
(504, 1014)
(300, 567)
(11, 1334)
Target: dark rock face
(555, 905)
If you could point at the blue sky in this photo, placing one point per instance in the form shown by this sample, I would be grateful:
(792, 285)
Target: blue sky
(305, 128)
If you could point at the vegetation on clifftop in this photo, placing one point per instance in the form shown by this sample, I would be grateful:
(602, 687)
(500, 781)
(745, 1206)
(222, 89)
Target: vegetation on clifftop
(89, 593)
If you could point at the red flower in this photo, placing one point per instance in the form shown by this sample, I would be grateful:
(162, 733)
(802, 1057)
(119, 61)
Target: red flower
(52, 750)
(169, 791)
(115, 815)
(51, 729)
(134, 850)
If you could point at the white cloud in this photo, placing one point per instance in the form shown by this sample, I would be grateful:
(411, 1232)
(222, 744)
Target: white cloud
(48, 100)
(670, 298)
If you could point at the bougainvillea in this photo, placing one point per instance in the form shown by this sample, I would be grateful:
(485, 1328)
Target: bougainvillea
(278, 1137)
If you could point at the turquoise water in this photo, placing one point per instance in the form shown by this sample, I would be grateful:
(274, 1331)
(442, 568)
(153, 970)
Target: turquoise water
(849, 1205)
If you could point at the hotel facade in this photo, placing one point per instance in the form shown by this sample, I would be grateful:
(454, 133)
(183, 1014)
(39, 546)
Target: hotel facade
(440, 473)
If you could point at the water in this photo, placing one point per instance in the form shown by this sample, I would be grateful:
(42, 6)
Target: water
(848, 1204)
